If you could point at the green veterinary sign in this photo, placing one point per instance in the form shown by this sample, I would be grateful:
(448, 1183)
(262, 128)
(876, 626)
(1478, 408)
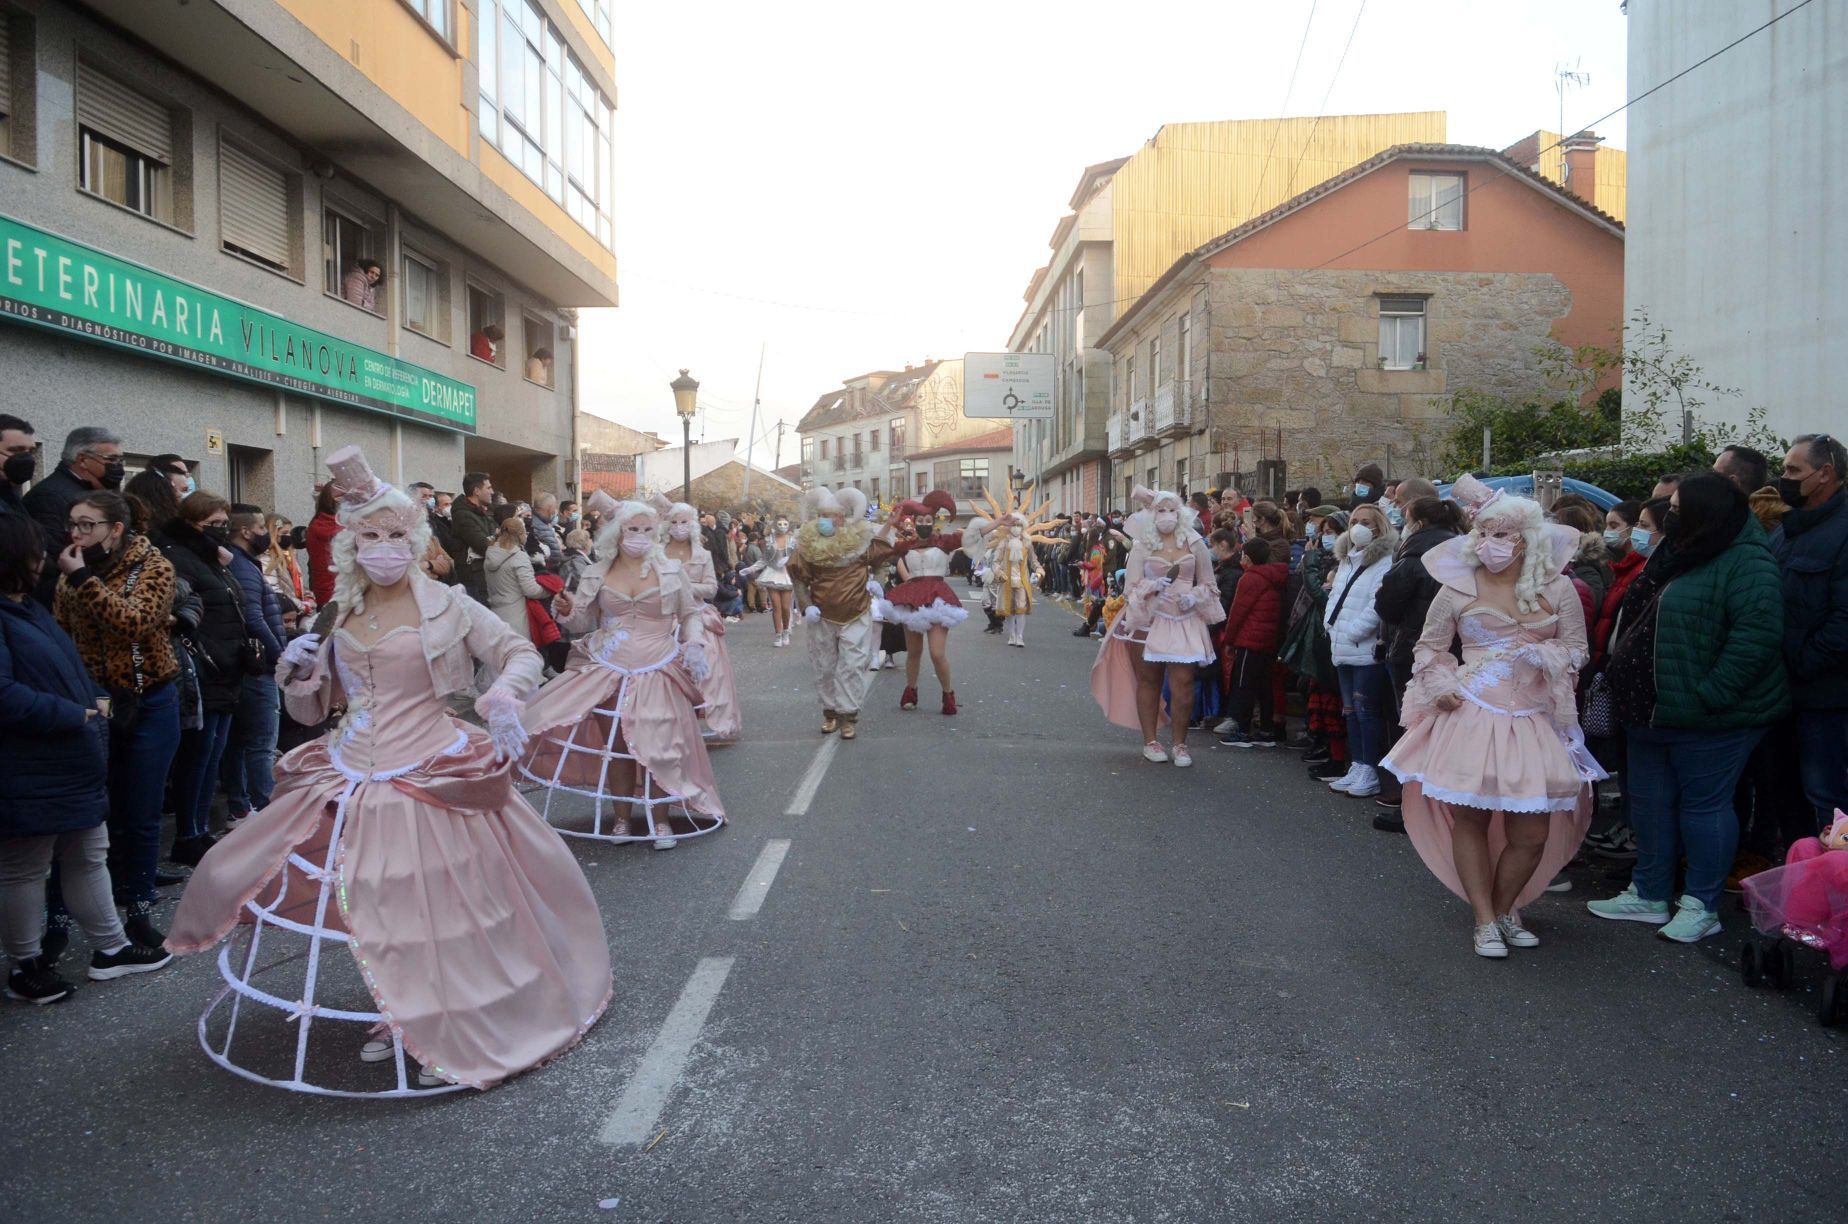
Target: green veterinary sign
(63, 286)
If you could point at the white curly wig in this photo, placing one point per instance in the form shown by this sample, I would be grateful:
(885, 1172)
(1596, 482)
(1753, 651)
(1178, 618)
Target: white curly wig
(393, 505)
(1140, 526)
(609, 536)
(1536, 552)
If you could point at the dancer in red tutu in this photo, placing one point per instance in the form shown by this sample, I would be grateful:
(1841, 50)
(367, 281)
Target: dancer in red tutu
(925, 606)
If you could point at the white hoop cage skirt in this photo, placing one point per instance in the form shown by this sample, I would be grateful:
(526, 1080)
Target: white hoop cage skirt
(334, 1057)
(595, 718)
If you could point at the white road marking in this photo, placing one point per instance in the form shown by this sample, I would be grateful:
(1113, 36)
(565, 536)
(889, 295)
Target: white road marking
(811, 778)
(756, 886)
(633, 1120)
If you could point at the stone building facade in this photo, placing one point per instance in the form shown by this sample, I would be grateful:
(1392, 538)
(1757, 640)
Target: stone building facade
(1292, 350)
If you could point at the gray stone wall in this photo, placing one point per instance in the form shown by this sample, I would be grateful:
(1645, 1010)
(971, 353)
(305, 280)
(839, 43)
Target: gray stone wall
(1294, 359)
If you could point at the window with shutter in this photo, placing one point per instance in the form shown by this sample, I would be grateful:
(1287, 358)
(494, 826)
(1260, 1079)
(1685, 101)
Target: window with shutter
(254, 208)
(6, 84)
(125, 145)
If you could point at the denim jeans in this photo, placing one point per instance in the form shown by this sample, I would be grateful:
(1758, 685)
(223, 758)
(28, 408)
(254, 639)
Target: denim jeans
(1681, 800)
(1363, 688)
(139, 760)
(248, 770)
(195, 775)
(1822, 737)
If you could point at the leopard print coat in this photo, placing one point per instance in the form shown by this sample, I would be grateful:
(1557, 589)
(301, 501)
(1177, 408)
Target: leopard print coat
(106, 625)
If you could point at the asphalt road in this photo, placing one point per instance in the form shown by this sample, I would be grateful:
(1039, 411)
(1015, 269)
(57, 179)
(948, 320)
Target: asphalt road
(1005, 971)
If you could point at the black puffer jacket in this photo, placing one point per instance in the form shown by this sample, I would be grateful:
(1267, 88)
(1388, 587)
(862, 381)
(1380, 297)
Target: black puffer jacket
(1405, 596)
(218, 644)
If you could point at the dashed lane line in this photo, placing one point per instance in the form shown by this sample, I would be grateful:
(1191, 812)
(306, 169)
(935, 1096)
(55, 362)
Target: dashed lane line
(811, 777)
(756, 886)
(632, 1122)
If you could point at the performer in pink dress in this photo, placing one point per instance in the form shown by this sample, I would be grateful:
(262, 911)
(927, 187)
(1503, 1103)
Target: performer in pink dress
(1163, 631)
(1496, 773)
(620, 725)
(924, 605)
(399, 835)
(719, 690)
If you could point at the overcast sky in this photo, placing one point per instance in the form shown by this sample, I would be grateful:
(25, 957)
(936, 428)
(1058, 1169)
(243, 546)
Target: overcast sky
(860, 185)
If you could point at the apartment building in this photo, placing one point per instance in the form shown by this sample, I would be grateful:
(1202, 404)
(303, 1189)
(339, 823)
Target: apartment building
(1327, 332)
(252, 231)
(1130, 219)
(862, 435)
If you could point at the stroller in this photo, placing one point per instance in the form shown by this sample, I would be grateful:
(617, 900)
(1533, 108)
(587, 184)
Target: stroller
(1803, 903)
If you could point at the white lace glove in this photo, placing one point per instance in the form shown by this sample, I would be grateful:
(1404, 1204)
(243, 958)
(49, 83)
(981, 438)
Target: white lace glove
(298, 656)
(812, 615)
(1163, 583)
(1185, 601)
(500, 709)
(874, 589)
(697, 665)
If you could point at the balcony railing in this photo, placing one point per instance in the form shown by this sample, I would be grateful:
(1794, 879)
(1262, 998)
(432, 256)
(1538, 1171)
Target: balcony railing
(1164, 407)
(1137, 426)
(840, 463)
(1113, 432)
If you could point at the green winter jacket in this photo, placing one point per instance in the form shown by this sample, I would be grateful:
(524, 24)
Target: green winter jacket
(1719, 657)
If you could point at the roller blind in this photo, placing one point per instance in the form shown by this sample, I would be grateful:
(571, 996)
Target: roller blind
(117, 112)
(254, 205)
(6, 64)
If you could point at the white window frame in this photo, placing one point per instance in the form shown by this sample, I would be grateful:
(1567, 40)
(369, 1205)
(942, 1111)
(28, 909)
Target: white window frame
(438, 306)
(1402, 332)
(335, 286)
(1159, 370)
(1183, 356)
(1426, 207)
(438, 15)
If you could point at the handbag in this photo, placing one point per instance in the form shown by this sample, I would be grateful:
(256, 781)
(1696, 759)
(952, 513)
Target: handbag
(1600, 717)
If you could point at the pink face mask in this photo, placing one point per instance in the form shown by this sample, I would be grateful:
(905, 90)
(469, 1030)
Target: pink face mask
(680, 531)
(1495, 554)
(384, 561)
(636, 545)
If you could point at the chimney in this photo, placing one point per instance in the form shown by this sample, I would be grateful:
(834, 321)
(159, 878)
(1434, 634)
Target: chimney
(1581, 153)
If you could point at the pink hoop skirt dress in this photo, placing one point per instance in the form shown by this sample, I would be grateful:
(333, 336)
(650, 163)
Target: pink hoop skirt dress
(1152, 618)
(1513, 745)
(718, 692)
(626, 703)
(401, 836)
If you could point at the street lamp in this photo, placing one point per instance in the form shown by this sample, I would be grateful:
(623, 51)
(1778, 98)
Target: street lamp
(686, 403)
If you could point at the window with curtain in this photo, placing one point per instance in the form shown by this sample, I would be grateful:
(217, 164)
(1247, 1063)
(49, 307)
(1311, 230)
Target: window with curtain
(125, 145)
(1436, 202)
(347, 246)
(426, 295)
(1402, 333)
(897, 426)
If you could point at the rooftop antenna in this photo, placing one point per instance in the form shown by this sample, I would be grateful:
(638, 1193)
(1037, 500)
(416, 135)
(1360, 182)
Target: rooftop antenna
(1565, 78)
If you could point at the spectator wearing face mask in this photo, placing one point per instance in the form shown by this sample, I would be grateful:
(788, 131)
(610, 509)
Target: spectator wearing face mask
(1363, 556)
(1369, 485)
(199, 550)
(53, 732)
(1307, 649)
(1811, 545)
(1590, 564)
(17, 462)
(248, 768)
(542, 528)
(1698, 674)
(1626, 561)
(115, 598)
(439, 559)
(91, 460)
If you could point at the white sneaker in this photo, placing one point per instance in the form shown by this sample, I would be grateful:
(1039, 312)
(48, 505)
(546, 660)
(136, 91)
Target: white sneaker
(1367, 783)
(1488, 942)
(1225, 726)
(1153, 751)
(890, 663)
(1182, 758)
(665, 843)
(376, 1050)
(1514, 934)
(878, 661)
(428, 1079)
(1347, 779)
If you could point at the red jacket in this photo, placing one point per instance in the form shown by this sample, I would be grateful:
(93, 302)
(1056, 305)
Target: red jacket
(1624, 570)
(1255, 620)
(322, 529)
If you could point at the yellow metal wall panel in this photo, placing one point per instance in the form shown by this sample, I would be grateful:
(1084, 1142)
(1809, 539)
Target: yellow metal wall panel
(507, 176)
(400, 55)
(1611, 175)
(1194, 181)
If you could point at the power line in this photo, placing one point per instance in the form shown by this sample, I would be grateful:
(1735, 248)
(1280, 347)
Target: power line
(1289, 190)
(1258, 187)
(1563, 137)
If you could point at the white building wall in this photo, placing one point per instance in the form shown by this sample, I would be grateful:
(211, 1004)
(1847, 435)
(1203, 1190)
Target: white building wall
(1738, 176)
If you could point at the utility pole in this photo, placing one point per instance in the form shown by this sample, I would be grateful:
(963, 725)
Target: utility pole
(780, 425)
(757, 397)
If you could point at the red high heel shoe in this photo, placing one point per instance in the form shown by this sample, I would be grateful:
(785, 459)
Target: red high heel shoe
(908, 700)
(949, 702)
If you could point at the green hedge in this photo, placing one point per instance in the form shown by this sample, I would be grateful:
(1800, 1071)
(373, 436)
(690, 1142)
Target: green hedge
(1627, 475)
